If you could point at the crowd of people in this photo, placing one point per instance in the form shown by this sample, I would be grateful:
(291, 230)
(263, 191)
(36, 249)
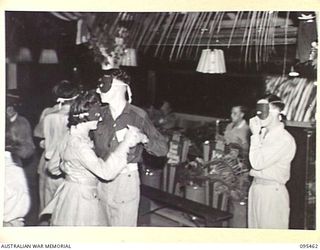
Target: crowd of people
(92, 144)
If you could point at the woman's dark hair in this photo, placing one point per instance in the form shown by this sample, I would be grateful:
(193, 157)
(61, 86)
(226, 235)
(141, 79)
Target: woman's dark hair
(118, 74)
(65, 89)
(82, 104)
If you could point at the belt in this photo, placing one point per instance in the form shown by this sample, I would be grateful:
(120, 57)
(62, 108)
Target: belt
(266, 182)
(87, 182)
(130, 168)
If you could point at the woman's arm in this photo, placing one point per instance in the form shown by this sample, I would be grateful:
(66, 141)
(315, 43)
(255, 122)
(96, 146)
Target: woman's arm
(116, 161)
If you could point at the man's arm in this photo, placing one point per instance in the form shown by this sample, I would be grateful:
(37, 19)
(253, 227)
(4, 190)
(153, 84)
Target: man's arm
(263, 156)
(157, 144)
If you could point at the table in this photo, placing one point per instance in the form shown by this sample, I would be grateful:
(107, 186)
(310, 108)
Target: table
(213, 217)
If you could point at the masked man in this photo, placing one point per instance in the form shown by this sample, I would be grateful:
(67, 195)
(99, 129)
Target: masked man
(121, 196)
(271, 152)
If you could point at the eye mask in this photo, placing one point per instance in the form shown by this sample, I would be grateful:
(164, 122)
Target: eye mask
(262, 110)
(105, 83)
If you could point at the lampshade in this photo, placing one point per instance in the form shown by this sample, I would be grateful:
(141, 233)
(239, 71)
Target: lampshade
(212, 62)
(24, 55)
(48, 56)
(129, 58)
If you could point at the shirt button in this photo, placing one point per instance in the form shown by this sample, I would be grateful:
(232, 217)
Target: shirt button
(114, 125)
(129, 175)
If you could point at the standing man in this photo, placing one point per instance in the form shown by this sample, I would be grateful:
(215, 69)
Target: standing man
(238, 130)
(121, 196)
(271, 152)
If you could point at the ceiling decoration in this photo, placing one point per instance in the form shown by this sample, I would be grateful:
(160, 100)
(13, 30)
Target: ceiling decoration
(185, 34)
(252, 38)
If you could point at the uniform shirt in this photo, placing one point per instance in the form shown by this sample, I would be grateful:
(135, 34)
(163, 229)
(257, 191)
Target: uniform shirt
(271, 156)
(55, 128)
(238, 134)
(110, 132)
(38, 130)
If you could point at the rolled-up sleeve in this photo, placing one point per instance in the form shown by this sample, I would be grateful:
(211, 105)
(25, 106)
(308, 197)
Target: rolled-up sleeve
(157, 144)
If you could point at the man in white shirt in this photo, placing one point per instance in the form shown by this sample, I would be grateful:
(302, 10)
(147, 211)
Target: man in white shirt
(271, 152)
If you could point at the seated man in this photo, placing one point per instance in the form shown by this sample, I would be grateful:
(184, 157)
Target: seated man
(237, 131)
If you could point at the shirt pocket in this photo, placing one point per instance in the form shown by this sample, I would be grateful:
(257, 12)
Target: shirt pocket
(128, 188)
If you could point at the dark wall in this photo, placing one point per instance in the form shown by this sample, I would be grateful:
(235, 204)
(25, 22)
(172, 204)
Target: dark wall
(302, 171)
(207, 94)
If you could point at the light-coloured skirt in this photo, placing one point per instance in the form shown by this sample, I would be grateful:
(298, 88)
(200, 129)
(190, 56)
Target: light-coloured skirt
(76, 204)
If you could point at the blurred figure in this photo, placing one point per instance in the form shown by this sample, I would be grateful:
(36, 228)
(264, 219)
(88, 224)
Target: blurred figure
(54, 130)
(16, 193)
(76, 202)
(19, 127)
(237, 132)
(167, 118)
(272, 149)
(38, 132)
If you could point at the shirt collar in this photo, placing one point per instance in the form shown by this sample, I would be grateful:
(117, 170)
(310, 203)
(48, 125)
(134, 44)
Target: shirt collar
(126, 109)
(276, 129)
(13, 118)
(242, 123)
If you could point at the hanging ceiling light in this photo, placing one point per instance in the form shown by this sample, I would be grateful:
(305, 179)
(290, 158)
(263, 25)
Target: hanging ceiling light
(24, 55)
(212, 62)
(48, 56)
(293, 73)
(308, 17)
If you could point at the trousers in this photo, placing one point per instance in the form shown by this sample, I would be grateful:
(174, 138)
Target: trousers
(268, 205)
(120, 199)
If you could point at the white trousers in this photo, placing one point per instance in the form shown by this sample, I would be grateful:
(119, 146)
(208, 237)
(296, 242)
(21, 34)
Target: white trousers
(268, 206)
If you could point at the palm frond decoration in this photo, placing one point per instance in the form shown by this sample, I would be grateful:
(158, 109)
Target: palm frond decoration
(182, 35)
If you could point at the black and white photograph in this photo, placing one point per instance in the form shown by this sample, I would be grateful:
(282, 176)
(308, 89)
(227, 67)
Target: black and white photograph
(161, 119)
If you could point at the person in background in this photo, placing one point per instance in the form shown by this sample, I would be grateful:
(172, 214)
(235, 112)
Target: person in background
(76, 202)
(19, 127)
(121, 196)
(54, 130)
(167, 118)
(271, 151)
(16, 194)
(38, 132)
(237, 132)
